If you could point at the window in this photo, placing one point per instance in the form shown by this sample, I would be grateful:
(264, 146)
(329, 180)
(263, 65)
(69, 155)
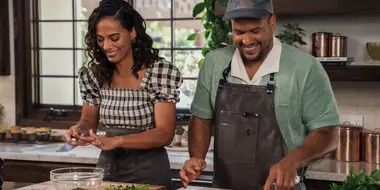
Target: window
(169, 22)
(60, 50)
(58, 46)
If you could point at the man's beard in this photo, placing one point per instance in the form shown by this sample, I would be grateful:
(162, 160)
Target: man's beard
(246, 60)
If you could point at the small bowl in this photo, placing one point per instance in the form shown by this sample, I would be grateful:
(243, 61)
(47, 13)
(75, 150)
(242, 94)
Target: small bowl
(373, 49)
(77, 177)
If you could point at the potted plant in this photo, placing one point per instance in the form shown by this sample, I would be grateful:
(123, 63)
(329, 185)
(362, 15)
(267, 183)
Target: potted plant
(360, 181)
(216, 31)
(292, 34)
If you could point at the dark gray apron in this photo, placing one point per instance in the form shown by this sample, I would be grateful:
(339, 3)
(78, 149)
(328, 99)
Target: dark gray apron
(248, 140)
(135, 166)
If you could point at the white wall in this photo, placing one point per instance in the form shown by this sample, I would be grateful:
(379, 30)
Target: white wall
(7, 83)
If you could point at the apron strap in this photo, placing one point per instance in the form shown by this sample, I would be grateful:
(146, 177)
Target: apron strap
(301, 173)
(271, 84)
(226, 71)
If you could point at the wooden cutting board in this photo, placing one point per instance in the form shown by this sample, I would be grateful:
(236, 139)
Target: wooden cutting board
(49, 185)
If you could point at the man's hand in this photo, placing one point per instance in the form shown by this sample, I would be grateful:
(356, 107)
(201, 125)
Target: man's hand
(192, 169)
(283, 174)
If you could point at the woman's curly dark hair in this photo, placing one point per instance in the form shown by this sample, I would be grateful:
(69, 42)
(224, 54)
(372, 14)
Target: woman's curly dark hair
(143, 52)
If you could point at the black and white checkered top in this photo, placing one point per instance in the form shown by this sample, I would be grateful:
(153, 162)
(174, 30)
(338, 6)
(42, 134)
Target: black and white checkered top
(132, 108)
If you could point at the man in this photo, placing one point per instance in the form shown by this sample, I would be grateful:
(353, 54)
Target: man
(271, 104)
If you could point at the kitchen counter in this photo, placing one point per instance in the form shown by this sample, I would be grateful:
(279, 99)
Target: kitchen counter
(79, 155)
(326, 169)
(49, 185)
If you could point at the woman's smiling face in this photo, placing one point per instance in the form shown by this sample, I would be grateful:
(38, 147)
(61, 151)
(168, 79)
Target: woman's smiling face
(114, 40)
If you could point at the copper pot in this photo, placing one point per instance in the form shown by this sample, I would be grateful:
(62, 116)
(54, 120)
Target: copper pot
(372, 147)
(338, 46)
(321, 43)
(349, 143)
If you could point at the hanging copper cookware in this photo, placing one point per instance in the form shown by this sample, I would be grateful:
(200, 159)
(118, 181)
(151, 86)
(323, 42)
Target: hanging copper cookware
(372, 147)
(349, 143)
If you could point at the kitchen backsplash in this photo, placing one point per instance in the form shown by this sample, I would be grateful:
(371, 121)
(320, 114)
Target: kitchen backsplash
(359, 98)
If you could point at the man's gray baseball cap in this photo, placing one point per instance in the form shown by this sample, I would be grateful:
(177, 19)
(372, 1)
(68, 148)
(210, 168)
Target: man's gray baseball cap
(248, 9)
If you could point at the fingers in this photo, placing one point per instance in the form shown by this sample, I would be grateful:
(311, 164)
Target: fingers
(292, 183)
(191, 170)
(189, 167)
(184, 178)
(270, 180)
(90, 138)
(280, 180)
(67, 136)
(72, 132)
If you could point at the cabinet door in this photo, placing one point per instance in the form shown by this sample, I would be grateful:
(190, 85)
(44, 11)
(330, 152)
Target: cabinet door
(351, 6)
(304, 7)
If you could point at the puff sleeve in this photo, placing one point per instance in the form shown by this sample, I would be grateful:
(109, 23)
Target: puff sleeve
(89, 88)
(165, 82)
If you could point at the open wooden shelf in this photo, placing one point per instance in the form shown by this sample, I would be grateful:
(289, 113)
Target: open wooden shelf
(354, 73)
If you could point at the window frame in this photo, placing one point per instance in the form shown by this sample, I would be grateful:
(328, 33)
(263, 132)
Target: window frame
(26, 18)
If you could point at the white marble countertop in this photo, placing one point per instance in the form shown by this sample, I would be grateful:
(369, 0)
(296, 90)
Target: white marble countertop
(324, 169)
(80, 155)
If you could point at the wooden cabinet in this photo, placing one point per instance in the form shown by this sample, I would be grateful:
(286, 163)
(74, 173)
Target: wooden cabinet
(304, 7)
(354, 73)
(350, 6)
(314, 7)
(5, 55)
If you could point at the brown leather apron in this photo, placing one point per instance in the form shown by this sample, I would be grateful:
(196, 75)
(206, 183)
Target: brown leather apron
(248, 140)
(135, 166)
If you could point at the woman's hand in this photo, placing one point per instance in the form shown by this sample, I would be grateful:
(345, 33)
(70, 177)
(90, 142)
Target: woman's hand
(104, 143)
(73, 135)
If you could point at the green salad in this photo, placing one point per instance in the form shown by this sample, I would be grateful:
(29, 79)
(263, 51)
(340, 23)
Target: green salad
(128, 187)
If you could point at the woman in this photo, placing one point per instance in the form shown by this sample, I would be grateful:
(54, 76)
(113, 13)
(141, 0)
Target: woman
(133, 91)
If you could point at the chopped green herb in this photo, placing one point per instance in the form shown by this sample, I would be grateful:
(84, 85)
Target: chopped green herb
(128, 187)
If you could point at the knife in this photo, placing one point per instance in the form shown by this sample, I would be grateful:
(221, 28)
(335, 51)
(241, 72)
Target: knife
(66, 147)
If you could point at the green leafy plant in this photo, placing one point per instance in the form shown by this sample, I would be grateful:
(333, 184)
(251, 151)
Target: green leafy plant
(216, 31)
(129, 187)
(359, 181)
(1, 111)
(292, 34)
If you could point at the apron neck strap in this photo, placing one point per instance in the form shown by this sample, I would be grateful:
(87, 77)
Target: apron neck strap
(271, 84)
